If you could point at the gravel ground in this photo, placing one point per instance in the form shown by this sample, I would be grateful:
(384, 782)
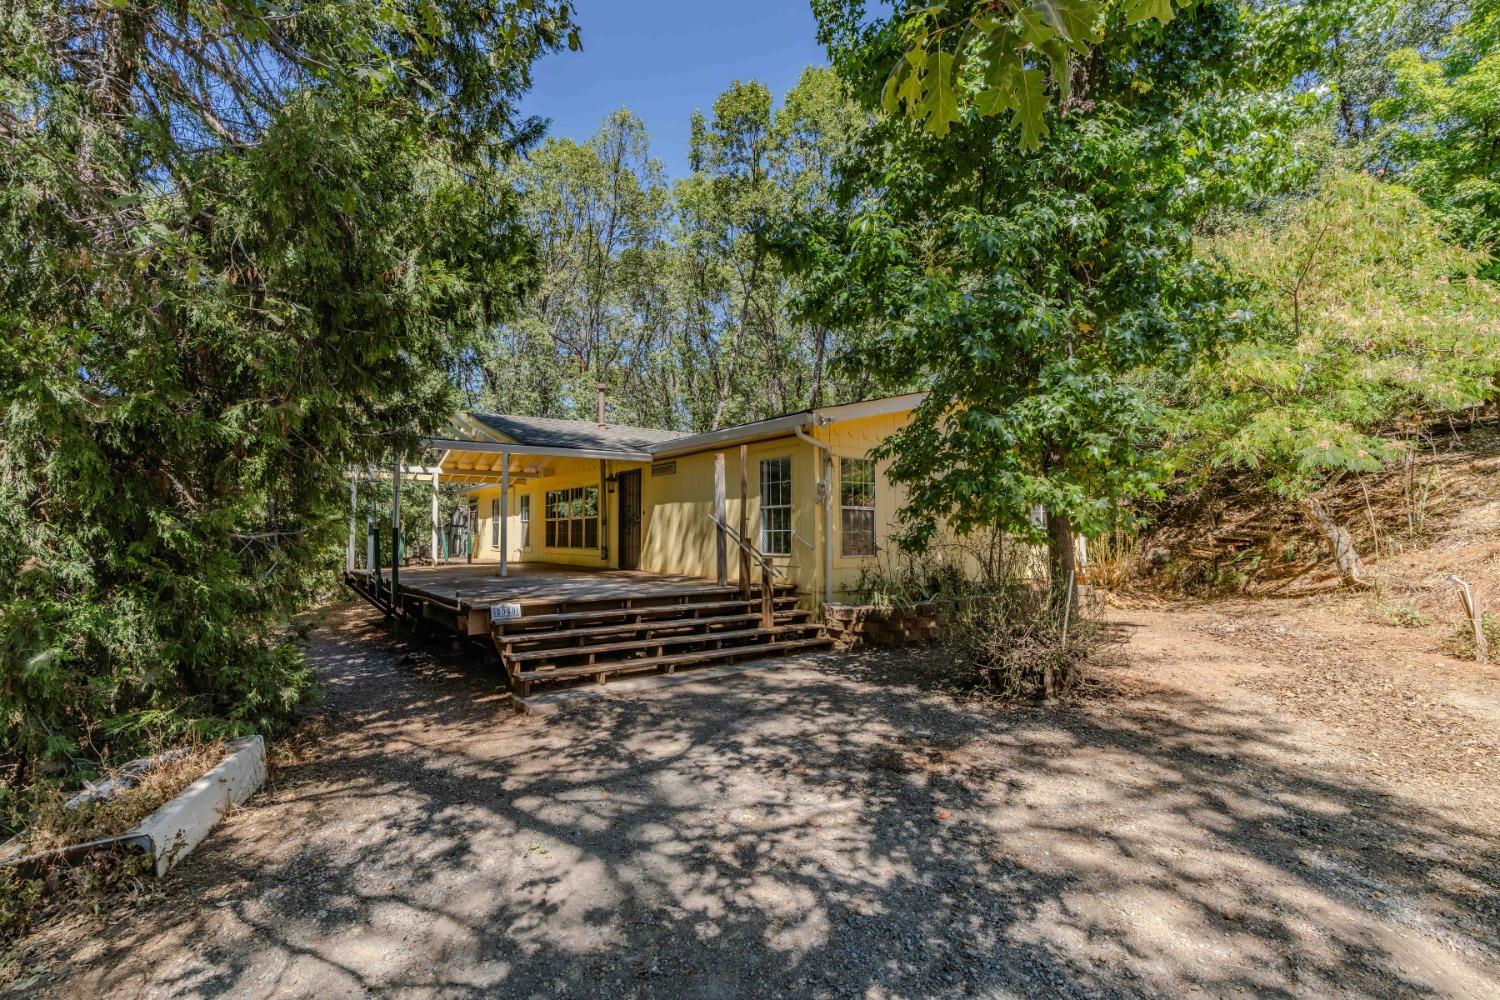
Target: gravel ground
(815, 830)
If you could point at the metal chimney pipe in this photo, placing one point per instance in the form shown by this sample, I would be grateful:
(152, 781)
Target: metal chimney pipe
(600, 386)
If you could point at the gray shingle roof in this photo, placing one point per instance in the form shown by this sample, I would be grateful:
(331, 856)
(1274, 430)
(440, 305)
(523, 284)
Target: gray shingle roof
(546, 432)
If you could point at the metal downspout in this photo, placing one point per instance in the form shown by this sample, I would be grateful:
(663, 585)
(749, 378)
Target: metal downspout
(827, 510)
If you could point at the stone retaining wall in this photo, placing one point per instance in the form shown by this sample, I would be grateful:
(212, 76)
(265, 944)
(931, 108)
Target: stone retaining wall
(853, 625)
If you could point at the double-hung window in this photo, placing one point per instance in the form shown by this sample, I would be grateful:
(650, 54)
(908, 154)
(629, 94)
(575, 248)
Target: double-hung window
(573, 518)
(857, 506)
(495, 523)
(776, 506)
(526, 521)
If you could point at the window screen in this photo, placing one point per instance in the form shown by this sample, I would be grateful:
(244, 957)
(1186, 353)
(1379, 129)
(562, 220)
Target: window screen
(857, 506)
(776, 506)
(573, 518)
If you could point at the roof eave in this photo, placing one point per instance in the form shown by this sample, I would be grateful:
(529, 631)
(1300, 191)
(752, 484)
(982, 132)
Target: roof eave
(743, 434)
(543, 451)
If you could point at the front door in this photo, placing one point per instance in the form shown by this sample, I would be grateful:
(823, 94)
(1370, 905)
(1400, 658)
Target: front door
(630, 520)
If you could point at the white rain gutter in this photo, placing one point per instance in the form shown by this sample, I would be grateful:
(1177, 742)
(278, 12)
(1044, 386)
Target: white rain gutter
(826, 488)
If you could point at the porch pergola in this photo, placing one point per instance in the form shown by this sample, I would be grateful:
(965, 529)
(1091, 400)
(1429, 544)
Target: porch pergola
(472, 453)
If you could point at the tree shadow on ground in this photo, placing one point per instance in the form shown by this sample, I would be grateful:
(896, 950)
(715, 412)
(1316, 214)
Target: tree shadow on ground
(806, 831)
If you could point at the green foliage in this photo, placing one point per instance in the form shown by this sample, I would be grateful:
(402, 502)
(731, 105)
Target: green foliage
(669, 294)
(1343, 48)
(241, 251)
(1022, 286)
(1374, 322)
(1461, 642)
(998, 56)
(1442, 127)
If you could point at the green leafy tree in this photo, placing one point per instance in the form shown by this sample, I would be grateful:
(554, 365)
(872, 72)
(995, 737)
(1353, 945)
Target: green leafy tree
(1021, 286)
(243, 247)
(1442, 135)
(747, 355)
(1375, 325)
(1344, 48)
(669, 294)
(998, 56)
(599, 210)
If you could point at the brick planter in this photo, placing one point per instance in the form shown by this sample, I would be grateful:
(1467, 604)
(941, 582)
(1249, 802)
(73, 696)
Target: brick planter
(854, 625)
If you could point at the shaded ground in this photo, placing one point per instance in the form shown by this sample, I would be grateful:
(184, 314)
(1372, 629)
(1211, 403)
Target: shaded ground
(818, 831)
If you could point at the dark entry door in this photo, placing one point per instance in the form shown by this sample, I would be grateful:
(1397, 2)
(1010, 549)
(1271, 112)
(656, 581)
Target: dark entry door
(630, 520)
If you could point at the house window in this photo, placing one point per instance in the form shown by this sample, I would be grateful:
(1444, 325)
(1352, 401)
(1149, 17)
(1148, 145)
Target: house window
(526, 521)
(495, 523)
(857, 506)
(776, 506)
(573, 518)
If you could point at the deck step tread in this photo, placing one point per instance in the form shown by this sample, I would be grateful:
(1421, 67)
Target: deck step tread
(673, 640)
(697, 656)
(652, 609)
(508, 639)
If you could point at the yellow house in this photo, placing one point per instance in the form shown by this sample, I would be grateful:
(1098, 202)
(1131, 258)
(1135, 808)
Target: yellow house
(816, 504)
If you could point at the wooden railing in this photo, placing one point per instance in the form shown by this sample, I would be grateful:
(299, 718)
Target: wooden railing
(767, 570)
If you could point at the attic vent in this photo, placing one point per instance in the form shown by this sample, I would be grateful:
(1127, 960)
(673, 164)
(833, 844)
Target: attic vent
(664, 469)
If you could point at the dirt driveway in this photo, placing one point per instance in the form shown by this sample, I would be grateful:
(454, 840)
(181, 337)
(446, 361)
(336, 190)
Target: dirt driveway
(817, 831)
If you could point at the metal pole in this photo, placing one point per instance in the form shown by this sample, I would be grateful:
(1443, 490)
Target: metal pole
(434, 518)
(504, 513)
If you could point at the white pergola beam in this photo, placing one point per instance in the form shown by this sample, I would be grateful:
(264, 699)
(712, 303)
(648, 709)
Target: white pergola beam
(525, 450)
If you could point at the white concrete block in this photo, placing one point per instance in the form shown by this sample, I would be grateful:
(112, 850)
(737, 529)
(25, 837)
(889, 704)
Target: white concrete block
(178, 827)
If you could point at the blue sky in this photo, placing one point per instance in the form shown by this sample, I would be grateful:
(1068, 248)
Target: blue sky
(663, 58)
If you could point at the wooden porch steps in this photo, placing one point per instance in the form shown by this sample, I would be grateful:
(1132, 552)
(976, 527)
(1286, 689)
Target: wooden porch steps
(601, 639)
(642, 631)
(672, 610)
(698, 658)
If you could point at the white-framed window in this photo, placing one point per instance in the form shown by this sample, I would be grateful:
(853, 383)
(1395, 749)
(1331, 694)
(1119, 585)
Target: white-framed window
(495, 523)
(573, 518)
(776, 506)
(526, 520)
(857, 506)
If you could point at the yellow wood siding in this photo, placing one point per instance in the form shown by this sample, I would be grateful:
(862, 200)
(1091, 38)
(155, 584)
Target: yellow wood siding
(677, 535)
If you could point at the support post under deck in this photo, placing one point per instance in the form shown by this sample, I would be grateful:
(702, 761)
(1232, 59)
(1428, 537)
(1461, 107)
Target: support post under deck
(504, 513)
(395, 536)
(435, 557)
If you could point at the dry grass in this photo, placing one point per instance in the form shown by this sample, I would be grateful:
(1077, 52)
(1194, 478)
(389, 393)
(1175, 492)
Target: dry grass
(47, 885)
(53, 825)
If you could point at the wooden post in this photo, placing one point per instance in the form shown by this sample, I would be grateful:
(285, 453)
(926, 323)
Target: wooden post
(721, 515)
(353, 509)
(603, 512)
(505, 513)
(370, 554)
(767, 598)
(745, 521)
(435, 558)
(395, 534)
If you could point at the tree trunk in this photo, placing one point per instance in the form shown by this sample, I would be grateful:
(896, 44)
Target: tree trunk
(1345, 556)
(1062, 562)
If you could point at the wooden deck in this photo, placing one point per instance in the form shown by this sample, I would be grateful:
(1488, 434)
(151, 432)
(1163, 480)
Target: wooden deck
(576, 623)
(460, 595)
(529, 584)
